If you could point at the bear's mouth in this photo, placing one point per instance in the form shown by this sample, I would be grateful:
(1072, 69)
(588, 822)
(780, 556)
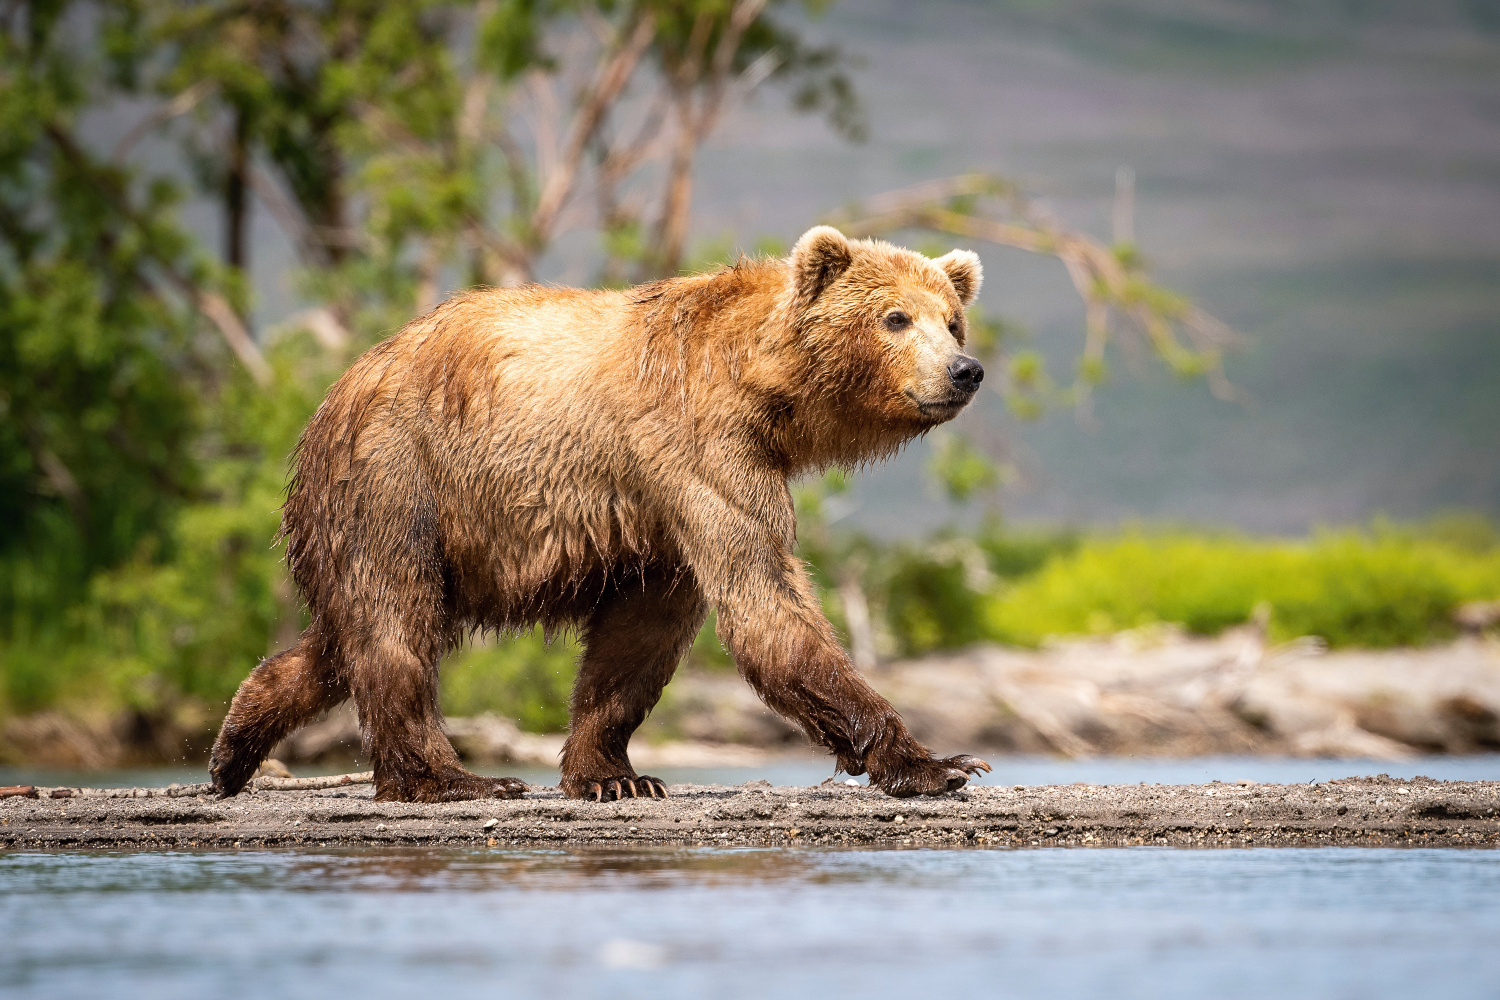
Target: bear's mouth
(942, 409)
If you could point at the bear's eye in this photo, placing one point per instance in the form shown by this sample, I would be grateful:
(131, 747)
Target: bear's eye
(897, 321)
(953, 327)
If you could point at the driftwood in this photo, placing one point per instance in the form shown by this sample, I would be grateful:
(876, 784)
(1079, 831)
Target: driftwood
(309, 784)
(1151, 691)
(1157, 691)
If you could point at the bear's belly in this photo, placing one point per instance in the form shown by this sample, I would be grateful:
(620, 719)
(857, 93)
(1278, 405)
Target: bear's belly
(548, 572)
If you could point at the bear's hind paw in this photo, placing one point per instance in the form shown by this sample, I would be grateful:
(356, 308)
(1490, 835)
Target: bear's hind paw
(610, 789)
(458, 786)
(508, 788)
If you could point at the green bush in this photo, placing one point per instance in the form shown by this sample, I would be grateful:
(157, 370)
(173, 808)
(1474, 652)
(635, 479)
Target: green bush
(1383, 588)
(935, 595)
(524, 678)
(200, 598)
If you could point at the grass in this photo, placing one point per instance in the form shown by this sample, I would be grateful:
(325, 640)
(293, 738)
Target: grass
(1382, 588)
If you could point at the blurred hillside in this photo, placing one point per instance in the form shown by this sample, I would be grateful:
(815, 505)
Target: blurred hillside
(1323, 176)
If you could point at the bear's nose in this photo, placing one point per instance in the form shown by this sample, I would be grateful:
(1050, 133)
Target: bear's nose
(966, 374)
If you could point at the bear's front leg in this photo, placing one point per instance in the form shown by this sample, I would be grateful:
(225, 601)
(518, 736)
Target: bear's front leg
(811, 682)
(786, 649)
(912, 770)
(771, 623)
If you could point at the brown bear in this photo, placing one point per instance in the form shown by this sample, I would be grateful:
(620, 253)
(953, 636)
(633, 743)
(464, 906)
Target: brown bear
(614, 461)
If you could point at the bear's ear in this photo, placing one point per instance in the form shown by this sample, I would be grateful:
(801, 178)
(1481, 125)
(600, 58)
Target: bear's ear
(820, 256)
(962, 268)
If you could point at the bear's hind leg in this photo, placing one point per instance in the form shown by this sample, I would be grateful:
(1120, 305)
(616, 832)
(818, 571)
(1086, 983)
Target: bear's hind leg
(638, 634)
(396, 689)
(283, 693)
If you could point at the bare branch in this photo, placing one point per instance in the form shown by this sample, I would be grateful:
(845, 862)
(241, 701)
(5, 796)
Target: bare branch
(740, 18)
(619, 162)
(60, 478)
(757, 72)
(321, 322)
(222, 315)
(269, 783)
(924, 195)
(287, 215)
(427, 275)
(210, 304)
(694, 125)
(476, 100)
(1104, 280)
(516, 167)
(179, 105)
(690, 71)
(597, 101)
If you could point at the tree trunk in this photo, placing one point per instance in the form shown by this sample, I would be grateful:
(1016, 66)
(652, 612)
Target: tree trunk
(665, 257)
(237, 196)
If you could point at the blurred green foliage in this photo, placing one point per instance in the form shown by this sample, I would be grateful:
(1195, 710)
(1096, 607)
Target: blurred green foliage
(525, 678)
(98, 416)
(199, 597)
(1386, 586)
(1383, 587)
(142, 465)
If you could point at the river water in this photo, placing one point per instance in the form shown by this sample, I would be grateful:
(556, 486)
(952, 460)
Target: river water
(798, 922)
(670, 923)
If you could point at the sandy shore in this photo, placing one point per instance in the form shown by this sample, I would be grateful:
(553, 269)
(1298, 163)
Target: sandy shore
(1354, 811)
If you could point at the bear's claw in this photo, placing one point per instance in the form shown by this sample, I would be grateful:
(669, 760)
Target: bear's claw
(611, 789)
(935, 776)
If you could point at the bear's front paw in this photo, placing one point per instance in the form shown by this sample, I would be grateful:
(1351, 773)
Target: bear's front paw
(932, 776)
(609, 789)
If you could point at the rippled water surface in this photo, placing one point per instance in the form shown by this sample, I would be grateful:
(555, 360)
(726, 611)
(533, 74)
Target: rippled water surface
(753, 923)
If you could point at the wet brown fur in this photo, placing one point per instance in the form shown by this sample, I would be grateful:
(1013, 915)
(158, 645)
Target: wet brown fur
(614, 461)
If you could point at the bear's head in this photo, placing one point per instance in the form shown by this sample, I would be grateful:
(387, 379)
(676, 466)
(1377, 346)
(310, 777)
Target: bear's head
(886, 328)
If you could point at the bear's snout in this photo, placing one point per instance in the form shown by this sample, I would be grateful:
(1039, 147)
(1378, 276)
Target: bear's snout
(966, 374)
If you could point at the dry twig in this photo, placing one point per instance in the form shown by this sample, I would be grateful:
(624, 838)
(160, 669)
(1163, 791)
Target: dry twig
(1110, 280)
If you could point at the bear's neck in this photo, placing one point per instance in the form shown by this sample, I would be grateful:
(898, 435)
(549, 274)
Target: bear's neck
(830, 429)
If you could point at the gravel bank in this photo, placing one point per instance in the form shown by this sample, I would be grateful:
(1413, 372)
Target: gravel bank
(1354, 811)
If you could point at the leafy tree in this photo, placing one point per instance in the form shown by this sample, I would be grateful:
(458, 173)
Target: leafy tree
(97, 353)
(401, 140)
